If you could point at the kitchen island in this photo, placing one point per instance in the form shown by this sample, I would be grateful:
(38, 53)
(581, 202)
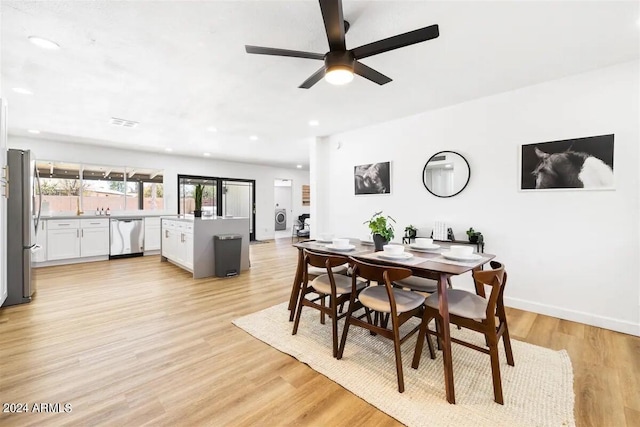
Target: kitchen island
(188, 242)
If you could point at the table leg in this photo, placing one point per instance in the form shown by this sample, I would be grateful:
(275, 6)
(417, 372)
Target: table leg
(443, 308)
(297, 283)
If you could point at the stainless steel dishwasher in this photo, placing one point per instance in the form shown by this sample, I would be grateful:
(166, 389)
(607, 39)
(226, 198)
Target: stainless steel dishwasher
(127, 237)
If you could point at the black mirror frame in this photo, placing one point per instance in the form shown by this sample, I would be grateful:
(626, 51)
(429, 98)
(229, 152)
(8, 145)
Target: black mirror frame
(424, 170)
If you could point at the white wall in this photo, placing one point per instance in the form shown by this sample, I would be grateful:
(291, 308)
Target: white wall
(569, 254)
(174, 165)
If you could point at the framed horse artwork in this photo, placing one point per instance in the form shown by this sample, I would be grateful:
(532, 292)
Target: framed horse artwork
(570, 164)
(373, 178)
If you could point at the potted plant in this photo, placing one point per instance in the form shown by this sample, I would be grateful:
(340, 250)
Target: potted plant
(381, 229)
(474, 236)
(410, 231)
(198, 197)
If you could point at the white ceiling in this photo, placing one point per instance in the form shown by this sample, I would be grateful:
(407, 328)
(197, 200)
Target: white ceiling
(179, 67)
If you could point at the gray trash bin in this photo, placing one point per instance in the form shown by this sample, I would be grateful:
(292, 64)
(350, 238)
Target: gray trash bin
(226, 250)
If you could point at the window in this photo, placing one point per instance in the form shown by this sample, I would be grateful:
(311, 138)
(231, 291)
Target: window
(103, 188)
(60, 186)
(67, 187)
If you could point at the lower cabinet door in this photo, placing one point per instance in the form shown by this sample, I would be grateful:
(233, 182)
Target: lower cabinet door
(188, 250)
(151, 238)
(63, 244)
(95, 242)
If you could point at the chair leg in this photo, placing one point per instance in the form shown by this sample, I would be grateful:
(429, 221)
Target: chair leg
(376, 316)
(432, 351)
(396, 346)
(334, 325)
(322, 317)
(347, 321)
(299, 310)
(438, 331)
(417, 353)
(507, 345)
(495, 370)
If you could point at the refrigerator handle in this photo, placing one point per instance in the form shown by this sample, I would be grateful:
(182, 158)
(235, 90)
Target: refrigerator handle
(37, 219)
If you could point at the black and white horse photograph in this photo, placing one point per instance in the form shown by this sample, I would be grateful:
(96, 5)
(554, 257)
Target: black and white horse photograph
(581, 163)
(373, 178)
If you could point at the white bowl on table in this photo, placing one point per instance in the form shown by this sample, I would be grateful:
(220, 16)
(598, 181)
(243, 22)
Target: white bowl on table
(393, 249)
(325, 237)
(423, 242)
(460, 250)
(340, 243)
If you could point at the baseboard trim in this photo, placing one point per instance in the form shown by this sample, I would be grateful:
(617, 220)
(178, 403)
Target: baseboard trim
(576, 316)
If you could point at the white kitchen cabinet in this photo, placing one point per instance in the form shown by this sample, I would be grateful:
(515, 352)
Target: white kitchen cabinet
(188, 250)
(41, 239)
(152, 234)
(63, 243)
(94, 237)
(177, 242)
(169, 239)
(76, 238)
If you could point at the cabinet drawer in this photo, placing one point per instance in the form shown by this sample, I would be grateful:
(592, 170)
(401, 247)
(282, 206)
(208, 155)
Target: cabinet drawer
(168, 224)
(188, 228)
(152, 222)
(94, 223)
(60, 224)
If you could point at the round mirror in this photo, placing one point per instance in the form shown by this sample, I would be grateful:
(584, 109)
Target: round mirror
(446, 174)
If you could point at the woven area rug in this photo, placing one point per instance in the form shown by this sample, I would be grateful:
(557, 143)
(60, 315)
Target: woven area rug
(538, 391)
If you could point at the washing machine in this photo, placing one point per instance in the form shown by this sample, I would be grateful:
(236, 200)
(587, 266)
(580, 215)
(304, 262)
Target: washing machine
(281, 219)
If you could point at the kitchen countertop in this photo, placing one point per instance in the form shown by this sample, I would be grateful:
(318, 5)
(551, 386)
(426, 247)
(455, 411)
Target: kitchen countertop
(117, 216)
(190, 218)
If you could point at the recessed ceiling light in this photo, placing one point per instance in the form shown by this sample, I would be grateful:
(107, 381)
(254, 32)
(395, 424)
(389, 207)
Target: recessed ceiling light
(313, 123)
(22, 91)
(299, 166)
(206, 154)
(44, 43)
(168, 150)
(33, 131)
(212, 129)
(253, 138)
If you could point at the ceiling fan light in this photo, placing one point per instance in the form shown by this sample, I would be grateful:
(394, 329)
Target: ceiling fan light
(339, 75)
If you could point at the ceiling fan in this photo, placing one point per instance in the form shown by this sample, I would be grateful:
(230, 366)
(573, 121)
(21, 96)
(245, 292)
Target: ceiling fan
(339, 63)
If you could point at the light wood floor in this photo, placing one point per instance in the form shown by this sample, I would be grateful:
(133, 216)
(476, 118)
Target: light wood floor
(136, 341)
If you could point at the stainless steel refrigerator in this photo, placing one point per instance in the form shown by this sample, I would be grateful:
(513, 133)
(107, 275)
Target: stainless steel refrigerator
(23, 215)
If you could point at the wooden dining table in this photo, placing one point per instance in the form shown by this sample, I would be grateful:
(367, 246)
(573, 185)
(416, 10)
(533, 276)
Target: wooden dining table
(430, 265)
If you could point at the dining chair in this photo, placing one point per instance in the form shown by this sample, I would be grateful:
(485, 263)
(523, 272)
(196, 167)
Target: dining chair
(337, 287)
(301, 227)
(476, 312)
(383, 299)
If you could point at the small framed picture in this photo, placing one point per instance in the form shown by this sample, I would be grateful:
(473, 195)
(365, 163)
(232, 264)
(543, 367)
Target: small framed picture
(570, 164)
(373, 178)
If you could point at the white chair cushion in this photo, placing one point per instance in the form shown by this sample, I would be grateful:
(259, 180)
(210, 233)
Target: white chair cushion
(376, 298)
(317, 271)
(462, 303)
(419, 284)
(343, 284)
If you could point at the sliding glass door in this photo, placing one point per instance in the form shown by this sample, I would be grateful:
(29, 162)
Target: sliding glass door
(237, 200)
(221, 197)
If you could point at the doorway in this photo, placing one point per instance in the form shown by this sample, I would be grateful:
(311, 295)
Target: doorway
(283, 209)
(220, 197)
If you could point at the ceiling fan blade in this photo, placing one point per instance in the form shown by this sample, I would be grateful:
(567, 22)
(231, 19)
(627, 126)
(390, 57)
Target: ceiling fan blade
(333, 23)
(370, 74)
(315, 78)
(283, 52)
(395, 42)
